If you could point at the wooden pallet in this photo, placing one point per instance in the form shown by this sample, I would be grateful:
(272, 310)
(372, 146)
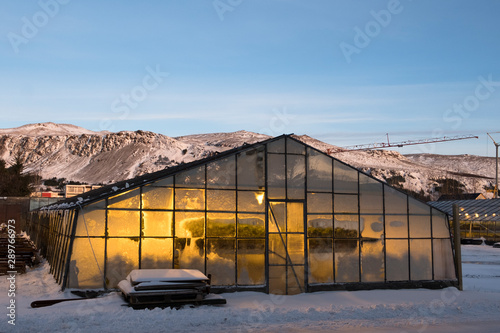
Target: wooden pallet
(25, 254)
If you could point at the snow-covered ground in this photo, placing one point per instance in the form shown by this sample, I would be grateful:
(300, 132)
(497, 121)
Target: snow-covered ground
(477, 308)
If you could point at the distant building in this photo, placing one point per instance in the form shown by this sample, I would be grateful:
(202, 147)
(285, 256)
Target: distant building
(463, 196)
(72, 190)
(47, 194)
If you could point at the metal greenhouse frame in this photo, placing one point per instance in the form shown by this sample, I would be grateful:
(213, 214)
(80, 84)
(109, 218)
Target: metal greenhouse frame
(277, 216)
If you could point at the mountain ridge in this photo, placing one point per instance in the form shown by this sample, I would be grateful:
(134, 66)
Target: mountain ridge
(74, 153)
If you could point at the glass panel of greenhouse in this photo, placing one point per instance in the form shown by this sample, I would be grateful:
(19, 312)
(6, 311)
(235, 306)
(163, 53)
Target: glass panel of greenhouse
(277, 216)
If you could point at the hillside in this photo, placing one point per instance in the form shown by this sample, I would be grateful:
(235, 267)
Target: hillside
(60, 150)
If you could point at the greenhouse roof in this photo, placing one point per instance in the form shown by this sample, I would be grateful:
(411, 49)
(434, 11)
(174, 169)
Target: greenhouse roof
(471, 210)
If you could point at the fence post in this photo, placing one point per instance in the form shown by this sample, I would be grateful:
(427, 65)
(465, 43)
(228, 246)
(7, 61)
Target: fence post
(458, 250)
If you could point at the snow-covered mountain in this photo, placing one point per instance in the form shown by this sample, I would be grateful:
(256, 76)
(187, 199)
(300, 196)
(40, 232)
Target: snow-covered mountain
(47, 129)
(74, 153)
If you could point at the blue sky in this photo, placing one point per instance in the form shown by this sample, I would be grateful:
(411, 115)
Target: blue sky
(345, 72)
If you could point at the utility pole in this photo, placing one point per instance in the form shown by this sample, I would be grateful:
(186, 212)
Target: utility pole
(496, 169)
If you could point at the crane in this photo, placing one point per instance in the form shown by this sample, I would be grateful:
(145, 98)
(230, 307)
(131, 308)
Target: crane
(389, 144)
(496, 169)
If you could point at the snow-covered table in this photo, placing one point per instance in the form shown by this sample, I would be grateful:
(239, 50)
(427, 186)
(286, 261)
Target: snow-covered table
(167, 287)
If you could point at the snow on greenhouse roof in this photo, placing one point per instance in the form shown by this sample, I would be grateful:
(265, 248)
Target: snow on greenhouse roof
(471, 210)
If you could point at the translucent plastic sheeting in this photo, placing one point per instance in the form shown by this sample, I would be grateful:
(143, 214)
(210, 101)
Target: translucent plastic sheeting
(370, 195)
(221, 224)
(92, 218)
(346, 226)
(250, 169)
(420, 259)
(122, 257)
(396, 226)
(157, 223)
(251, 226)
(295, 280)
(165, 182)
(286, 280)
(221, 200)
(191, 178)
(221, 263)
(420, 226)
(345, 178)
(277, 249)
(294, 147)
(277, 280)
(157, 198)
(395, 201)
(190, 199)
(444, 266)
(189, 253)
(189, 224)
(130, 200)
(295, 217)
(83, 268)
(320, 225)
(251, 201)
(417, 207)
(295, 248)
(372, 261)
(440, 226)
(276, 176)
(296, 176)
(319, 203)
(222, 173)
(397, 260)
(277, 146)
(319, 171)
(251, 262)
(124, 223)
(372, 226)
(320, 260)
(344, 203)
(156, 253)
(346, 260)
(277, 217)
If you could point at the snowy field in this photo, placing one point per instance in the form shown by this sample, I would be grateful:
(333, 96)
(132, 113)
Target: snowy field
(476, 309)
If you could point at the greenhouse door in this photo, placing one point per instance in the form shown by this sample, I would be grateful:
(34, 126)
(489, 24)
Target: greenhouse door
(286, 249)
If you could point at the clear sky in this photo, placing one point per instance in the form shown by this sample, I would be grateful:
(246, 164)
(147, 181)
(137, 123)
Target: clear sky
(343, 71)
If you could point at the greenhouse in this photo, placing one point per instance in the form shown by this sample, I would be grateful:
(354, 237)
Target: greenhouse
(277, 216)
(478, 218)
